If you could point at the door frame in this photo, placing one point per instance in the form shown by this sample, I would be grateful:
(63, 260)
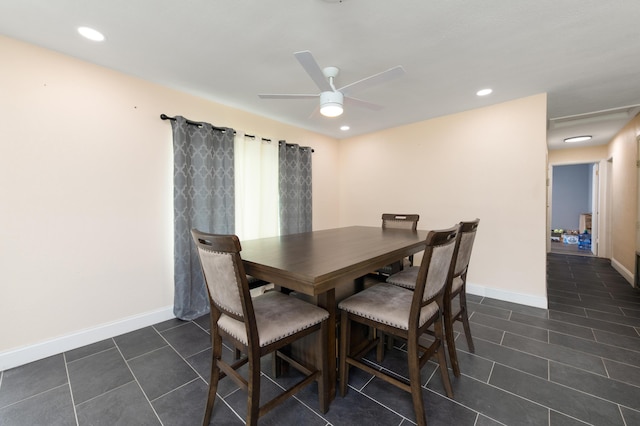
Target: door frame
(601, 189)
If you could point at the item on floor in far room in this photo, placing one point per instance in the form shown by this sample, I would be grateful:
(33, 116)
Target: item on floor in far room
(556, 234)
(584, 241)
(570, 239)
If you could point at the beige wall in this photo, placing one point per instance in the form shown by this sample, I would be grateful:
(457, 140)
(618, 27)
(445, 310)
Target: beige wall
(87, 224)
(623, 151)
(488, 163)
(86, 236)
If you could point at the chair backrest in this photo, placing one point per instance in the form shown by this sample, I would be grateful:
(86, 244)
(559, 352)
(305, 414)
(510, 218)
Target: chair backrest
(400, 221)
(224, 275)
(467, 237)
(436, 268)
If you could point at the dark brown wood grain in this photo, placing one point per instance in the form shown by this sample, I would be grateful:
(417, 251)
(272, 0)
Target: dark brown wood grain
(315, 262)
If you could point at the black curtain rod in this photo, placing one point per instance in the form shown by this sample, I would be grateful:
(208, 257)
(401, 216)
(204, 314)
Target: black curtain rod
(195, 123)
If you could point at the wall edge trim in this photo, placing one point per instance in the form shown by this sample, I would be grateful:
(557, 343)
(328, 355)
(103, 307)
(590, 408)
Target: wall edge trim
(508, 296)
(626, 274)
(24, 355)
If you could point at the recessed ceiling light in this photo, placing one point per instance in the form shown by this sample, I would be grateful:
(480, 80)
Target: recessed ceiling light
(91, 34)
(484, 92)
(344, 128)
(577, 139)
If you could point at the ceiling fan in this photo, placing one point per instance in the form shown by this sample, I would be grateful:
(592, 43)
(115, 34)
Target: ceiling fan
(332, 99)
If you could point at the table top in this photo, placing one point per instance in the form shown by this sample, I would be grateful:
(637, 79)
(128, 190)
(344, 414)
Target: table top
(315, 262)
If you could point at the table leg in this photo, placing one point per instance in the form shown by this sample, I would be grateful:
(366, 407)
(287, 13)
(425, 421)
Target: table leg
(328, 301)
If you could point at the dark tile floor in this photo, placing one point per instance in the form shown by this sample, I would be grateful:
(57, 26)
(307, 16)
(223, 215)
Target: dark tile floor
(577, 363)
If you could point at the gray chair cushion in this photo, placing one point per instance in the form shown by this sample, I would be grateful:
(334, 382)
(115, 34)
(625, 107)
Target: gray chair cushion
(277, 316)
(405, 278)
(387, 304)
(408, 277)
(221, 279)
(457, 283)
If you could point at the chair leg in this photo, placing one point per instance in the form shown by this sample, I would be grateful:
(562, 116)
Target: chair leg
(253, 394)
(465, 321)
(380, 347)
(345, 339)
(442, 358)
(323, 380)
(413, 358)
(213, 378)
(451, 343)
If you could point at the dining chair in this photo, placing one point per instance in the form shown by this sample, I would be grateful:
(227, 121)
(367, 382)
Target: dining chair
(259, 326)
(456, 288)
(406, 314)
(398, 221)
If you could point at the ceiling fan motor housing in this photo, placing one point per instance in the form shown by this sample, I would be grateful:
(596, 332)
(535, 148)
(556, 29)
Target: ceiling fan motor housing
(331, 97)
(331, 103)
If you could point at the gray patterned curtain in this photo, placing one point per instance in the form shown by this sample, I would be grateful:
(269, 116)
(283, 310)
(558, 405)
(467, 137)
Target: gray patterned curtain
(203, 198)
(295, 189)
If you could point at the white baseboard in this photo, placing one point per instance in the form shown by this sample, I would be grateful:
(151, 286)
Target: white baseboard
(16, 357)
(627, 274)
(508, 296)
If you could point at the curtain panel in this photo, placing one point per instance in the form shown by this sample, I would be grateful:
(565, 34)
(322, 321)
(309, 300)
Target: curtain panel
(295, 188)
(203, 198)
(256, 165)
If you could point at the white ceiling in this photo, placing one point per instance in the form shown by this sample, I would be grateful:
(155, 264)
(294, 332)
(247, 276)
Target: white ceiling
(584, 53)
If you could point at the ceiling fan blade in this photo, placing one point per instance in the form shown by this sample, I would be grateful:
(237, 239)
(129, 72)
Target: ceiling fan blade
(363, 104)
(313, 69)
(373, 80)
(283, 96)
(315, 113)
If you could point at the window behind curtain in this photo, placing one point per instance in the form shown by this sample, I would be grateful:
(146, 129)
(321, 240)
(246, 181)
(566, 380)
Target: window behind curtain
(256, 187)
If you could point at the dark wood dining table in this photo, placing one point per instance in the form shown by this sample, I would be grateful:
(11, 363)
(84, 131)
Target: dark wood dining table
(317, 264)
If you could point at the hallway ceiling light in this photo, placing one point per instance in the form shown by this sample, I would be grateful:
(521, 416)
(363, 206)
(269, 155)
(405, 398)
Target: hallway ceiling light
(578, 139)
(484, 92)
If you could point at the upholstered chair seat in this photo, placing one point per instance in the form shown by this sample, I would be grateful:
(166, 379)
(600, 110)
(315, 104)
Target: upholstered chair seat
(407, 279)
(386, 304)
(277, 316)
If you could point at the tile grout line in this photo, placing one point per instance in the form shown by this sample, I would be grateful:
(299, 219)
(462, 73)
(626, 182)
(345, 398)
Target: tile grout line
(561, 385)
(380, 404)
(548, 360)
(106, 393)
(135, 379)
(33, 396)
(92, 354)
(73, 401)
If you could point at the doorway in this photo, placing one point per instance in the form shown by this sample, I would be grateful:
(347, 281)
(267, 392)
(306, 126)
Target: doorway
(574, 208)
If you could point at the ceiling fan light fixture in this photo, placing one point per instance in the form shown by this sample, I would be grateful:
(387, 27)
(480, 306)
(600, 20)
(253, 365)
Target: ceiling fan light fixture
(331, 104)
(578, 139)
